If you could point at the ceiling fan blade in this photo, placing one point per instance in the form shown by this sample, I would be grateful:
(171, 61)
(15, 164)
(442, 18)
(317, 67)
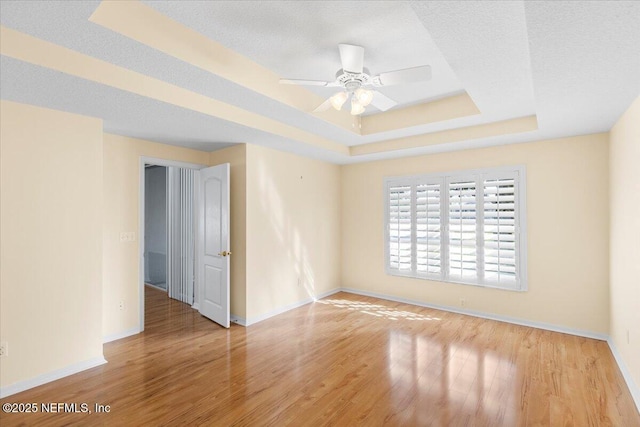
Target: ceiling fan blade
(352, 57)
(408, 75)
(323, 107)
(382, 102)
(304, 82)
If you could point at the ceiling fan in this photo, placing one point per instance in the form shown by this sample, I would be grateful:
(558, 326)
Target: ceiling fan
(354, 79)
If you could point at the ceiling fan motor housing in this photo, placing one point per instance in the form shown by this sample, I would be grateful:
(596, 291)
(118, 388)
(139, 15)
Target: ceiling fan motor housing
(352, 81)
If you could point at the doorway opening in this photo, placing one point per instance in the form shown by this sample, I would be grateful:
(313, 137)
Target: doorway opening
(168, 230)
(170, 224)
(155, 226)
(191, 261)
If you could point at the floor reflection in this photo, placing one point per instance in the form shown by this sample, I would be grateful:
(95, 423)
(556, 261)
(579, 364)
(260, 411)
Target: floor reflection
(426, 369)
(332, 363)
(459, 378)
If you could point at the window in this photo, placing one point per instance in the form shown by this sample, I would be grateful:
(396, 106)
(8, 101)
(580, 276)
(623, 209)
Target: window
(464, 227)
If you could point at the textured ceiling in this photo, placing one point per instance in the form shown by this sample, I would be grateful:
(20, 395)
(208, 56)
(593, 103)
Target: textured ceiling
(575, 66)
(299, 39)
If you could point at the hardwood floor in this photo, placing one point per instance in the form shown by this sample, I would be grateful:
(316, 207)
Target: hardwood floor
(344, 360)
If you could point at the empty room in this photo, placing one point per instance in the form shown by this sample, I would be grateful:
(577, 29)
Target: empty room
(349, 213)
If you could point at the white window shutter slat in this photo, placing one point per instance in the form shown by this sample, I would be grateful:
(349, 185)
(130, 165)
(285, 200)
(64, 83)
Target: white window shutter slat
(428, 229)
(500, 265)
(400, 228)
(462, 229)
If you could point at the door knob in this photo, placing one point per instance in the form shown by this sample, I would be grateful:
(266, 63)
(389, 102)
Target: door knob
(224, 253)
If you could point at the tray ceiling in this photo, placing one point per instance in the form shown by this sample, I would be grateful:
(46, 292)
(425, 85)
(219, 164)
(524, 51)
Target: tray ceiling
(205, 74)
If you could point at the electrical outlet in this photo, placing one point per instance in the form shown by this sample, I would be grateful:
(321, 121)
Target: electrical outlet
(463, 302)
(628, 337)
(4, 349)
(121, 305)
(128, 236)
(299, 281)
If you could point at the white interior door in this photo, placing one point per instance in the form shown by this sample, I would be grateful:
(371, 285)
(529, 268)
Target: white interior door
(213, 244)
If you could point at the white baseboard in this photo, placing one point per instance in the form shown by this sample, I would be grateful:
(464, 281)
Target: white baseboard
(280, 310)
(239, 320)
(633, 387)
(490, 316)
(51, 376)
(156, 286)
(121, 335)
(483, 315)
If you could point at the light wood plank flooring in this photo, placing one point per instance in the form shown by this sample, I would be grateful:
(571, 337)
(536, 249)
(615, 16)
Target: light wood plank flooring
(345, 360)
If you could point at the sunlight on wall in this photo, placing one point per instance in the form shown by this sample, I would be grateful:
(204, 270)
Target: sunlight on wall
(293, 229)
(286, 232)
(271, 200)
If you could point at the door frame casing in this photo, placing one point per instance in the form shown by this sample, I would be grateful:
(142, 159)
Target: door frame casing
(144, 160)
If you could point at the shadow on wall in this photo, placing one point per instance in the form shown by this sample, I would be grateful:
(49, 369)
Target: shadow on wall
(287, 231)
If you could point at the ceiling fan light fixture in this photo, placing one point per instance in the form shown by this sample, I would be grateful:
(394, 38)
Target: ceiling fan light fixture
(356, 107)
(354, 78)
(364, 96)
(338, 100)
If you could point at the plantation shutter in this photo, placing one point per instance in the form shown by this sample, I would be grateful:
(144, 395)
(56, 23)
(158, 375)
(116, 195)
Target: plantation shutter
(428, 229)
(400, 228)
(500, 228)
(467, 227)
(462, 229)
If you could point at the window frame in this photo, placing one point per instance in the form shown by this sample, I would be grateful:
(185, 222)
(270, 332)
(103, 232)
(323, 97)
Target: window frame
(517, 172)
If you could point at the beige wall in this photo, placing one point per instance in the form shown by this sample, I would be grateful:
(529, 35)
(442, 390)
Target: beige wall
(121, 198)
(51, 246)
(236, 156)
(282, 227)
(567, 214)
(293, 229)
(625, 238)
(293, 218)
